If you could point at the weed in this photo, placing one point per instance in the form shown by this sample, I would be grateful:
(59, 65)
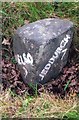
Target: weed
(72, 115)
(66, 86)
(34, 87)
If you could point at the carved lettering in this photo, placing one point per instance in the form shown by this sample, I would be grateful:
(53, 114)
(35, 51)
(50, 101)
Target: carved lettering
(58, 51)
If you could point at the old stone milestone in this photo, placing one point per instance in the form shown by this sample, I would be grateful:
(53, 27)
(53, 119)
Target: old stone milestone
(41, 49)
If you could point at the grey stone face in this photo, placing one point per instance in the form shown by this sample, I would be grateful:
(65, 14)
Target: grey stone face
(41, 49)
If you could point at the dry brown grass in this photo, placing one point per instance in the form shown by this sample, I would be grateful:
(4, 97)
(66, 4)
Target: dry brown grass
(44, 105)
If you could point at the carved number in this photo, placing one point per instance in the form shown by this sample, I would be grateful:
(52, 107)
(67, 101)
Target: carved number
(25, 60)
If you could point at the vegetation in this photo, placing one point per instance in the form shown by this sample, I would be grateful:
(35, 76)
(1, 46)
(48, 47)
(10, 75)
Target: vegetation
(43, 106)
(17, 14)
(12, 105)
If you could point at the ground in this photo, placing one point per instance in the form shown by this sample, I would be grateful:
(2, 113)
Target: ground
(58, 99)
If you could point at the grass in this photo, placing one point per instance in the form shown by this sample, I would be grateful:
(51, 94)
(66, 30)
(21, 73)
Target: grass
(15, 15)
(45, 105)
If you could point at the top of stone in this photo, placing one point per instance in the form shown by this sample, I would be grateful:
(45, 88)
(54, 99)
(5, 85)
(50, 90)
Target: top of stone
(45, 29)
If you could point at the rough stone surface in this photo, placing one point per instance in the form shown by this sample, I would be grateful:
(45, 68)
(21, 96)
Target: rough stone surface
(41, 49)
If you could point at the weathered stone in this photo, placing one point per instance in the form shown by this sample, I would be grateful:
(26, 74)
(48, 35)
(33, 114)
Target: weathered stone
(41, 49)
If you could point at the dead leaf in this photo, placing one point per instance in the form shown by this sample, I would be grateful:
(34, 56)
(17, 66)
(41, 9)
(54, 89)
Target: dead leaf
(5, 42)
